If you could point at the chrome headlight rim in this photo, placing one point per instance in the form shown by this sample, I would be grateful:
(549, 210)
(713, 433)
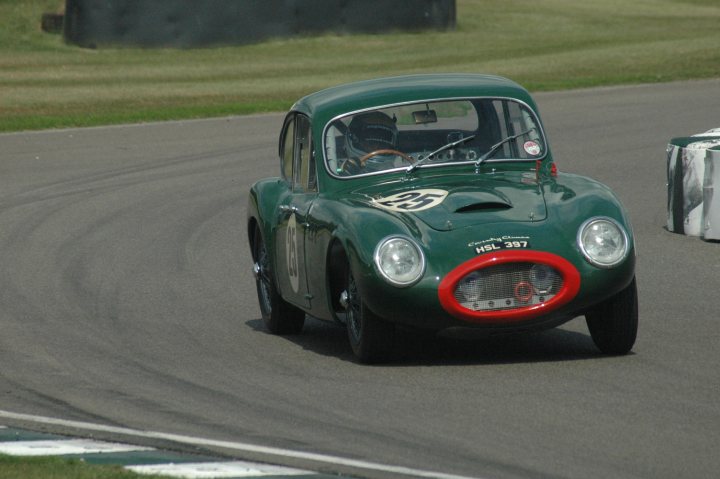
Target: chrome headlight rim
(586, 254)
(378, 265)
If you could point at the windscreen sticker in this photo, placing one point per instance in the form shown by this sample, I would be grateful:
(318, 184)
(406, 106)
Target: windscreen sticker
(500, 243)
(531, 148)
(409, 201)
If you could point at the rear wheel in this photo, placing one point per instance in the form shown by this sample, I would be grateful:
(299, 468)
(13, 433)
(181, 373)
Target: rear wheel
(279, 316)
(613, 323)
(370, 337)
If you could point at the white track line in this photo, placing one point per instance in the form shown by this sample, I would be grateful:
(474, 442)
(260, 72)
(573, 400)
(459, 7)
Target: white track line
(237, 446)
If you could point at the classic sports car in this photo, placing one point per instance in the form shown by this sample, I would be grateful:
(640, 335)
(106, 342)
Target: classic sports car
(433, 202)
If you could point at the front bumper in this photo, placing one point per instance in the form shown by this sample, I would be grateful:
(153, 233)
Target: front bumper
(430, 304)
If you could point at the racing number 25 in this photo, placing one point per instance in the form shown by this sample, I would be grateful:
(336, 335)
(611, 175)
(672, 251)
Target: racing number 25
(412, 201)
(291, 253)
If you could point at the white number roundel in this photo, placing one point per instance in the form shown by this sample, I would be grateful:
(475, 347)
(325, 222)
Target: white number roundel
(414, 200)
(291, 253)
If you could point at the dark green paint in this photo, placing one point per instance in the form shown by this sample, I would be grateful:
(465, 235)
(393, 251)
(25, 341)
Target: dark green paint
(520, 198)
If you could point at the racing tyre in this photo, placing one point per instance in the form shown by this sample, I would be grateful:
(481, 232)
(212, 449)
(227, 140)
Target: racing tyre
(370, 337)
(613, 323)
(279, 316)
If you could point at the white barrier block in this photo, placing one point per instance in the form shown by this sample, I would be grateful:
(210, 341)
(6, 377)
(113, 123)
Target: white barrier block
(693, 170)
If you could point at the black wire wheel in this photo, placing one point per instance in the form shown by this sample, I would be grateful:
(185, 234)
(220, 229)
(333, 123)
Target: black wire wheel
(279, 316)
(371, 338)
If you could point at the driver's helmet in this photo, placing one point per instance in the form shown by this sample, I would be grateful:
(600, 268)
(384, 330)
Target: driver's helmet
(371, 131)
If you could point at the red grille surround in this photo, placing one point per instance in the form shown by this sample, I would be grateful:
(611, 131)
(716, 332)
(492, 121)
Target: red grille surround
(568, 288)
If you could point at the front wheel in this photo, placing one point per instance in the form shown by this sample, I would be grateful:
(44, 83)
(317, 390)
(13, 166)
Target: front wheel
(613, 323)
(279, 316)
(371, 338)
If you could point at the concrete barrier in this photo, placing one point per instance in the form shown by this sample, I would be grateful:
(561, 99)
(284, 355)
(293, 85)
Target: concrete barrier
(194, 23)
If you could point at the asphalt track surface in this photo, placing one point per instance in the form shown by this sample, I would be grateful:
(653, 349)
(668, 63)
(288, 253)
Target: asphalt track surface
(126, 299)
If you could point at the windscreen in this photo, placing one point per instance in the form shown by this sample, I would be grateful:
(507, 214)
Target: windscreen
(437, 133)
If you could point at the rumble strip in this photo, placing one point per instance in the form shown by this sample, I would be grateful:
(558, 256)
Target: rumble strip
(207, 469)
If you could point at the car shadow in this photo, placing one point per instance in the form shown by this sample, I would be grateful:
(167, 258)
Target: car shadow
(415, 348)
(553, 345)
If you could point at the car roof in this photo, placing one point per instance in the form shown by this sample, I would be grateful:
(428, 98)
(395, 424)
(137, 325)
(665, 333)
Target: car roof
(327, 104)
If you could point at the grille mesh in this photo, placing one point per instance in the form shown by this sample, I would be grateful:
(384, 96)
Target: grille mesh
(508, 286)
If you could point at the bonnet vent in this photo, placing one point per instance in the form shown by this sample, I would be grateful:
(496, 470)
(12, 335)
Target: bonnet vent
(485, 206)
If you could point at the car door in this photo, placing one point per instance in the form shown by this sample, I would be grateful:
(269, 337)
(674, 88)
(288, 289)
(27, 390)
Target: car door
(294, 209)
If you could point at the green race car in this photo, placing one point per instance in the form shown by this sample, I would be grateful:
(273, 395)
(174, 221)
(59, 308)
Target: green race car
(433, 202)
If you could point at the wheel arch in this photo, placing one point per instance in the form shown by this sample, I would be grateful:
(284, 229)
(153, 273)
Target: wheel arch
(260, 207)
(252, 225)
(336, 266)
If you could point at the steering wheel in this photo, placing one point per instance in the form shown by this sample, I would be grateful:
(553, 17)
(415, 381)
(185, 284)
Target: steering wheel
(350, 167)
(387, 151)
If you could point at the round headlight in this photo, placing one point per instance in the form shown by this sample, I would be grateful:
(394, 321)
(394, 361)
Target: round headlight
(470, 286)
(400, 261)
(603, 242)
(543, 278)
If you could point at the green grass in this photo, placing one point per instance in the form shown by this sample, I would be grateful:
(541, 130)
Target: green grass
(548, 45)
(60, 468)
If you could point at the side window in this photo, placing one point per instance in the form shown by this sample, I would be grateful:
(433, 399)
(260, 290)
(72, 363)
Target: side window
(516, 118)
(529, 145)
(504, 124)
(305, 179)
(287, 148)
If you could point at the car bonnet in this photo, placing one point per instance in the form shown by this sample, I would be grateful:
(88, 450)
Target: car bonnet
(461, 201)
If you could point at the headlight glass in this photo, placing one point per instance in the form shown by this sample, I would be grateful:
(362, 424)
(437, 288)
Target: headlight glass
(470, 286)
(400, 261)
(543, 278)
(603, 242)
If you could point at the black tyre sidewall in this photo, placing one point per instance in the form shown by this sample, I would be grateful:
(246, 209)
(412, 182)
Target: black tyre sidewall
(374, 341)
(613, 324)
(282, 318)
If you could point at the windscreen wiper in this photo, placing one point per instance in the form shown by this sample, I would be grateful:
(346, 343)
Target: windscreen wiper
(453, 144)
(493, 149)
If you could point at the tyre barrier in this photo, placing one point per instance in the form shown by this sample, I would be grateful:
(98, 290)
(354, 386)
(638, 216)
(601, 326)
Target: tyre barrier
(190, 23)
(693, 172)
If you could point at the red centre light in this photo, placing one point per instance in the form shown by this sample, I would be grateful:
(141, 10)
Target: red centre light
(523, 291)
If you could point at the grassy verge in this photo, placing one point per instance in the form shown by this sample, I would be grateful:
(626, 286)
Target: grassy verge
(548, 45)
(59, 468)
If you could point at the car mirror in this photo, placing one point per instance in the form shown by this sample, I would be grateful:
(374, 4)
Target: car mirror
(425, 116)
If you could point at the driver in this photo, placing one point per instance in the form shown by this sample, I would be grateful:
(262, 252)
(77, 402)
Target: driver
(371, 131)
